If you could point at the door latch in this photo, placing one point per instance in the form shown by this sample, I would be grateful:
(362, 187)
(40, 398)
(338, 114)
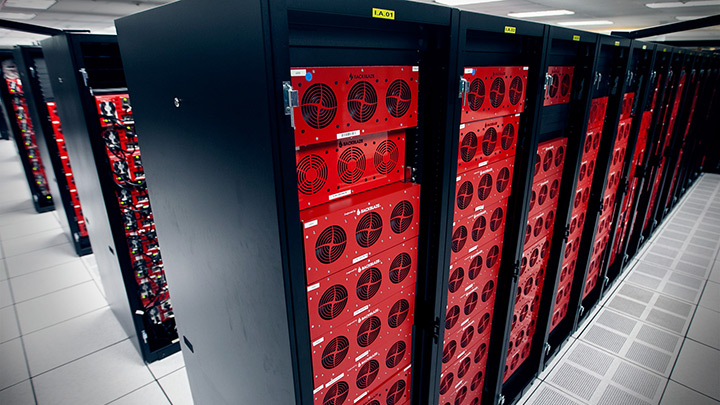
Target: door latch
(291, 100)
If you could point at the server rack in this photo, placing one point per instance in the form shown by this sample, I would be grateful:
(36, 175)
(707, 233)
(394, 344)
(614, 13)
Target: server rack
(83, 70)
(701, 126)
(38, 92)
(22, 128)
(558, 311)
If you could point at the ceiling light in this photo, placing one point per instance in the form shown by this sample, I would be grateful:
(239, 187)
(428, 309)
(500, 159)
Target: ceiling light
(17, 16)
(33, 4)
(689, 17)
(547, 13)
(587, 22)
(463, 2)
(675, 4)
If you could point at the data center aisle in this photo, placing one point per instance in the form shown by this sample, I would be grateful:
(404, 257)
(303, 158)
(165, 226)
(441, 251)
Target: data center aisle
(656, 337)
(59, 341)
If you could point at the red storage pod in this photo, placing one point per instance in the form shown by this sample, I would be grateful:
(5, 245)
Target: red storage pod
(339, 297)
(472, 283)
(341, 102)
(331, 170)
(394, 389)
(558, 90)
(627, 105)
(483, 187)
(544, 195)
(345, 232)
(539, 226)
(550, 158)
(479, 229)
(487, 140)
(494, 92)
(598, 107)
(461, 381)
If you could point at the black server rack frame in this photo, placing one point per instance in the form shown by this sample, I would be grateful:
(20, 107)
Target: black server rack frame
(613, 58)
(701, 126)
(42, 202)
(33, 73)
(276, 37)
(641, 66)
(80, 67)
(579, 49)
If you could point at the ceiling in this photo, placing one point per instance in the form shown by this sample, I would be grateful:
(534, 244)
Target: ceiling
(99, 15)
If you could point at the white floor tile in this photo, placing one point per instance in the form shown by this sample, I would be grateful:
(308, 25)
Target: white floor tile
(49, 280)
(29, 227)
(40, 259)
(698, 367)
(67, 341)
(96, 379)
(18, 394)
(5, 296)
(149, 394)
(8, 324)
(711, 296)
(19, 217)
(705, 328)
(715, 274)
(177, 388)
(59, 306)
(12, 360)
(163, 367)
(679, 394)
(30, 243)
(3, 270)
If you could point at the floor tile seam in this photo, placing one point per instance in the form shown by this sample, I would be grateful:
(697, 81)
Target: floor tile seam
(55, 291)
(80, 358)
(161, 377)
(636, 284)
(643, 322)
(63, 321)
(135, 390)
(37, 270)
(694, 390)
(35, 250)
(5, 239)
(629, 361)
(662, 328)
(163, 388)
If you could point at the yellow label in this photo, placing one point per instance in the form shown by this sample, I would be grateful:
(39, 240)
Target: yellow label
(664, 49)
(510, 30)
(384, 14)
(644, 47)
(617, 43)
(576, 37)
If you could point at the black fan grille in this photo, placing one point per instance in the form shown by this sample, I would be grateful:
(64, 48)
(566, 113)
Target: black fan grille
(542, 195)
(534, 256)
(480, 352)
(362, 101)
(475, 267)
(559, 156)
(496, 219)
(554, 86)
(395, 354)
(483, 323)
(369, 331)
(554, 189)
(333, 301)
(451, 317)
(400, 268)
(565, 85)
(467, 336)
(478, 228)
(537, 165)
(476, 96)
(401, 217)
(468, 146)
(470, 303)
(318, 106)
(488, 290)
(367, 374)
(503, 179)
(368, 283)
(446, 383)
(588, 143)
(456, 279)
(368, 229)
(508, 136)
(476, 381)
(312, 173)
(398, 313)
(459, 238)
(485, 186)
(464, 367)
(337, 394)
(449, 351)
(351, 165)
(386, 157)
(489, 141)
(335, 352)
(464, 195)
(547, 160)
(397, 98)
(516, 90)
(492, 256)
(330, 244)
(497, 92)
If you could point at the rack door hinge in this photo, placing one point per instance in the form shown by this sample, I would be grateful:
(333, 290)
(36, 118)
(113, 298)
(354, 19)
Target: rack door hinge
(626, 258)
(606, 281)
(516, 270)
(290, 100)
(548, 81)
(436, 330)
(566, 235)
(84, 75)
(581, 310)
(547, 348)
(464, 89)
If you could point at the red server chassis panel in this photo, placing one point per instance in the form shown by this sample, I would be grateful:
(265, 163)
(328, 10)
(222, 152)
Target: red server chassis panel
(559, 85)
(487, 140)
(493, 92)
(341, 102)
(483, 187)
(28, 135)
(123, 153)
(67, 169)
(331, 170)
